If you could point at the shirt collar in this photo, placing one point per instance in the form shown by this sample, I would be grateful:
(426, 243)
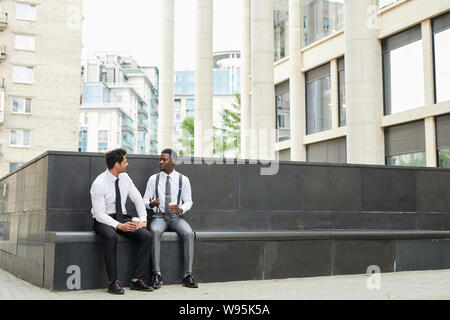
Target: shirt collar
(172, 175)
(110, 176)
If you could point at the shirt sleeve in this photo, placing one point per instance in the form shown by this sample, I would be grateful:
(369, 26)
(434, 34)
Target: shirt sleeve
(136, 197)
(186, 195)
(149, 192)
(99, 206)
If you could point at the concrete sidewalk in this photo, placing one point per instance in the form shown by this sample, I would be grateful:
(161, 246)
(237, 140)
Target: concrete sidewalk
(401, 285)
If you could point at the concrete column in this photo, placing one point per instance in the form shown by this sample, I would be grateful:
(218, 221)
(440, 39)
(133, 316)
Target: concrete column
(263, 89)
(166, 73)
(430, 142)
(297, 81)
(363, 62)
(204, 80)
(245, 79)
(427, 37)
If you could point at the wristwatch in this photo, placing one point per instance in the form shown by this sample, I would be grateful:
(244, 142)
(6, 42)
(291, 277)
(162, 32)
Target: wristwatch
(181, 211)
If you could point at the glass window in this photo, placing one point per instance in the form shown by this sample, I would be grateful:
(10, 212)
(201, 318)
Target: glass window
(21, 105)
(342, 93)
(26, 11)
(14, 165)
(444, 158)
(23, 74)
(405, 144)
(441, 30)
(322, 18)
(403, 71)
(20, 138)
(283, 111)
(318, 99)
(408, 160)
(102, 140)
(281, 29)
(24, 42)
(82, 140)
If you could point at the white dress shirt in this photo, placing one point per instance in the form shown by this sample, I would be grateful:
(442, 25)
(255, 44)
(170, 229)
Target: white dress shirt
(186, 193)
(103, 196)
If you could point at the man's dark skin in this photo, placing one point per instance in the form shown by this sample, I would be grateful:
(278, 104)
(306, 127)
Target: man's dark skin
(167, 165)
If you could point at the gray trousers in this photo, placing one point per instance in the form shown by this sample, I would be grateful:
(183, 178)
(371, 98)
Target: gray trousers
(158, 226)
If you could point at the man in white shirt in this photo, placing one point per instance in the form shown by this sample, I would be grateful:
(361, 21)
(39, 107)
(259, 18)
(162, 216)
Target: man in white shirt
(109, 194)
(170, 202)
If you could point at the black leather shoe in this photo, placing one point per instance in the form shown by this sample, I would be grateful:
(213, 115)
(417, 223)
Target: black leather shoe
(156, 281)
(115, 288)
(140, 286)
(189, 282)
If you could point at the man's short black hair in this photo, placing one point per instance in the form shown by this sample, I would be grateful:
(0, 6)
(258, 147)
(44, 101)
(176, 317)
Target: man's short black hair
(114, 156)
(172, 153)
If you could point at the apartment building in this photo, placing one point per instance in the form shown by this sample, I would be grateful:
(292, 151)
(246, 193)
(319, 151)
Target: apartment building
(119, 106)
(40, 50)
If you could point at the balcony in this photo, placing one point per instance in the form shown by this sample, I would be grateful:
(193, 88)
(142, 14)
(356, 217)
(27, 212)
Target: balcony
(142, 110)
(127, 126)
(3, 21)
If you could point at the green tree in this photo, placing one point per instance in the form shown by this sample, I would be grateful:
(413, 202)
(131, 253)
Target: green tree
(444, 158)
(187, 140)
(228, 137)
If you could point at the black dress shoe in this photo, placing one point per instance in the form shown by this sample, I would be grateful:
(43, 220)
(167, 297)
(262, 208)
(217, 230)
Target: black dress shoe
(189, 282)
(115, 288)
(157, 281)
(140, 286)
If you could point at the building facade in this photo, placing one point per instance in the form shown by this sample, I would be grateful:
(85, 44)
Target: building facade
(40, 50)
(119, 105)
(370, 91)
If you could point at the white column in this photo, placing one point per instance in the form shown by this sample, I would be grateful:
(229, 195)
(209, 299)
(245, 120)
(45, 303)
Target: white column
(427, 37)
(363, 63)
(166, 74)
(204, 80)
(334, 94)
(430, 142)
(297, 82)
(263, 89)
(245, 79)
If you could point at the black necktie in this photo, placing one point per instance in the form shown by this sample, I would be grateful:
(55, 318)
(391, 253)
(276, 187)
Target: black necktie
(168, 198)
(119, 215)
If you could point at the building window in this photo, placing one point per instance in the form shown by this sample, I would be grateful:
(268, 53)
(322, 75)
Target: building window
(24, 42)
(20, 105)
(82, 140)
(281, 29)
(331, 151)
(23, 74)
(102, 140)
(318, 99)
(14, 166)
(283, 111)
(443, 140)
(19, 138)
(322, 18)
(26, 11)
(342, 93)
(441, 31)
(405, 144)
(403, 71)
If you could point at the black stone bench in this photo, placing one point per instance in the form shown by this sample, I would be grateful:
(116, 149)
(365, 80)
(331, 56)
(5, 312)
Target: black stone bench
(235, 256)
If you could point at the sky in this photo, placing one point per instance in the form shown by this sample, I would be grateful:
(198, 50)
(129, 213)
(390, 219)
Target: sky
(132, 26)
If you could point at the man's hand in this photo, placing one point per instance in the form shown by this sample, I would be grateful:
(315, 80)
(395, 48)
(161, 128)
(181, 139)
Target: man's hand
(175, 209)
(154, 203)
(141, 225)
(128, 226)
